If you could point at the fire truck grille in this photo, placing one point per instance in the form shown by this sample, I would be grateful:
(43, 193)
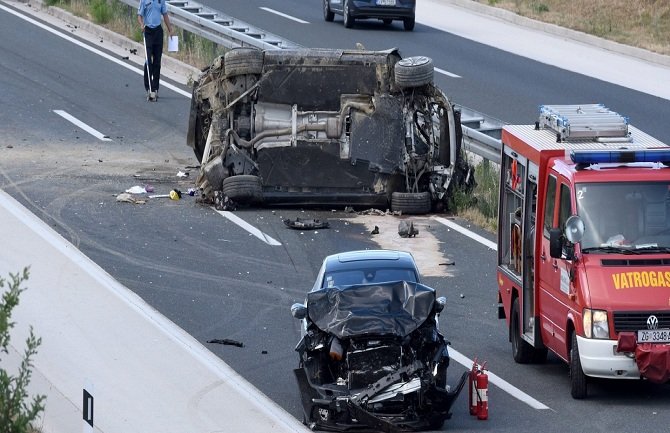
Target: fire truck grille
(637, 320)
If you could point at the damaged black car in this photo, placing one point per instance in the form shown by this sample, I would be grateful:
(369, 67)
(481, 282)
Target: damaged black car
(326, 127)
(372, 356)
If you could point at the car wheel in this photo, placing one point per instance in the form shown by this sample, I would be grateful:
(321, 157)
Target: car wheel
(348, 19)
(521, 350)
(411, 202)
(409, 24)
(577, 376)
(414, 71)
(243, 188)
(387, 21)
(328, 15)
(243, 61)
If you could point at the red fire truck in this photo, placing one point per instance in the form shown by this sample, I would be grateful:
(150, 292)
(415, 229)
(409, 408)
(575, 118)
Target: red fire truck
(584, 244)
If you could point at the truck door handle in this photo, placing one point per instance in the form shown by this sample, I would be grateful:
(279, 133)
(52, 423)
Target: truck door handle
(555, 264)
(543, 257)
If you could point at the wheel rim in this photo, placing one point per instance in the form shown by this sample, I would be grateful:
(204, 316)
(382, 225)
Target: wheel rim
(346, 12)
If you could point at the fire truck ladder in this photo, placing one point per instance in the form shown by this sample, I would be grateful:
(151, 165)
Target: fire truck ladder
(582, 121)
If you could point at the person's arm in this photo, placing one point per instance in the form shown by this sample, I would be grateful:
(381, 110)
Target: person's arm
(166, 17)
(140, 16)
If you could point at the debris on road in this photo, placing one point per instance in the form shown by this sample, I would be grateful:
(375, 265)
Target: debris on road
(136, 190)
(306, 224)
(128, 198)
(407, 230)
(227, 342)
(375, 231)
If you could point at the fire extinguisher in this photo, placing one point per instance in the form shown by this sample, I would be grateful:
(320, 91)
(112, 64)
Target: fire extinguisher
(482, 393)
(472, 388)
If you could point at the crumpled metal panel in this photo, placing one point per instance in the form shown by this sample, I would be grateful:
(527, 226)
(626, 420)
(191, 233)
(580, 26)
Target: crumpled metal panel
(395, 308)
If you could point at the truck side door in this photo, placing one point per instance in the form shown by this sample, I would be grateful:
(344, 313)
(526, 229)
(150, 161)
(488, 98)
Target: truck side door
(555, 284)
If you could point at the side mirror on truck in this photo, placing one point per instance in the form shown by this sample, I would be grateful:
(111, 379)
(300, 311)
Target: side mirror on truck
(564, 242)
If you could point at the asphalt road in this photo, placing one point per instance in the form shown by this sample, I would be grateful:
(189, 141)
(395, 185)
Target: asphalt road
(215, 279)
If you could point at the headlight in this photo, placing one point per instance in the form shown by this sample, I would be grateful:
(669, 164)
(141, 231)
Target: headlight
(596, 324)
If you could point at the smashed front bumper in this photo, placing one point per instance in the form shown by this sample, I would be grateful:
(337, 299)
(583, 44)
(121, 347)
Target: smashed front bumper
(334, 408)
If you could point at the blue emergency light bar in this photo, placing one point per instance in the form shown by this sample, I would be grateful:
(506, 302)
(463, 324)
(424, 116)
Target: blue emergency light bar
(620, 156)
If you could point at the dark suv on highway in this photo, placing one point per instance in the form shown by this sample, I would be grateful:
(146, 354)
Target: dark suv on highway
(385, 10)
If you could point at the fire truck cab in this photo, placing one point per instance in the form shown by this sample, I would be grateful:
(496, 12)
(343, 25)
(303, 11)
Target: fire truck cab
(584, 244)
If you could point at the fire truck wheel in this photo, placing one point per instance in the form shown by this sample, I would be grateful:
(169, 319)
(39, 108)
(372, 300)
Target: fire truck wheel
(577, 376)
(521, 350)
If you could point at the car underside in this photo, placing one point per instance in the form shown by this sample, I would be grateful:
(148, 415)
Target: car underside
(324, 127)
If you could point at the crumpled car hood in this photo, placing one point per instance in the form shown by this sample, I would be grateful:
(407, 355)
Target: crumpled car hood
(395, 308)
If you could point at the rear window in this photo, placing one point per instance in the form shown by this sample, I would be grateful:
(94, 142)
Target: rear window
(368, 276)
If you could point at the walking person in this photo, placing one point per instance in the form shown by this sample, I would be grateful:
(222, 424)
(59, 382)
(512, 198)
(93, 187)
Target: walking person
(149, 15)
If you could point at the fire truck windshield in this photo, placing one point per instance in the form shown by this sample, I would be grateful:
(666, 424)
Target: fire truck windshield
(632, 215)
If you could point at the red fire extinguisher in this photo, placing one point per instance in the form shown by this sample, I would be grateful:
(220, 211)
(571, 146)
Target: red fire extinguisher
(482, 393)
(472, 388)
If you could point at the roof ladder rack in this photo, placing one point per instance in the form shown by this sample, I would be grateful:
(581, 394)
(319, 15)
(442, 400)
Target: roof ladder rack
(582, 121)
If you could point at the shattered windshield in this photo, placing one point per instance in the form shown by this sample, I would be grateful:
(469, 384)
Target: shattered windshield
(630, 215)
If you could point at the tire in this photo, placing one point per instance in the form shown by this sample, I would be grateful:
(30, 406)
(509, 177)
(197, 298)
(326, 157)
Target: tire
(243, 188)
(577, 376)
(408, 23)
(328, 15)
(521, 350)
(243, 61)
(411, 202)
(387, 21)
(348, 19)
(414, 71)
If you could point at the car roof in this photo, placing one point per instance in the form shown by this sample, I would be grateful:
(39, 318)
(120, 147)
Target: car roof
(377, 258)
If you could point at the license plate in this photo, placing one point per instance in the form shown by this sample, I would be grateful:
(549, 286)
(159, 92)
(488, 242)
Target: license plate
(653, 336)
(385, 2)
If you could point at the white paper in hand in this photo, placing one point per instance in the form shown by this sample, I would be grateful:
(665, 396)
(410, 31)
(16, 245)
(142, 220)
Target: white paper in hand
(173, 44)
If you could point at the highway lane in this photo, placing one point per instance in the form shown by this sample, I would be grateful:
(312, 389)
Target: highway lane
(498, 83)
(215, 280)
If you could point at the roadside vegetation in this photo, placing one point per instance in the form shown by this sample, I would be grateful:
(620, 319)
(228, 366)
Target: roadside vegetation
(643, 24)
(122, 19)
(17, 411)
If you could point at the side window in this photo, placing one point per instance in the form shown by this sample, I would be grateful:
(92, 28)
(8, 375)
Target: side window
(565, 206)
(549, 205)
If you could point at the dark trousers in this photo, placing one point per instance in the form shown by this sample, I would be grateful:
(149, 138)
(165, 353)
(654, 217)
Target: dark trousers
(153, 40)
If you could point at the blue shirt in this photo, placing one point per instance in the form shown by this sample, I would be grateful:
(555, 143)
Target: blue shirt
(151, 12)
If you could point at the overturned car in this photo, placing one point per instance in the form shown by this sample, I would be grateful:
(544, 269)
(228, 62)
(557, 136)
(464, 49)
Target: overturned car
(325, 127)
(371, 354)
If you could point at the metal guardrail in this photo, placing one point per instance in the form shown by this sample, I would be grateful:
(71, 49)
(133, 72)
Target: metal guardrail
(481, 133)
(219, 27)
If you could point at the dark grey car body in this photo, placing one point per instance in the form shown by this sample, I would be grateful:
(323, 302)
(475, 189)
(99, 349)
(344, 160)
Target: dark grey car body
(385, 10)
(371, 354)
(323, 127)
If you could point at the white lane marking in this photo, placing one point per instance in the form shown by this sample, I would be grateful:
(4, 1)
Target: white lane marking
(58, 33)
(272, 11)
(97, 134)
(466, 232)
(497, 381)
(447, 73)
(248, 227)
(218, 366)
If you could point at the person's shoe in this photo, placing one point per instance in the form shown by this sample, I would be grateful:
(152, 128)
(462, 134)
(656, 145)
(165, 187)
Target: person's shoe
(156, 95)
(152, 96)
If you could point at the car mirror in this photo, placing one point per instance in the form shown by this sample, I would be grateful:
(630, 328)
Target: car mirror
(440, 304)
(299, 311)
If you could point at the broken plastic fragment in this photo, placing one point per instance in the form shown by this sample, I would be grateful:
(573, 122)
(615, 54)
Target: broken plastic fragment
(136, 190)
(306, 224)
